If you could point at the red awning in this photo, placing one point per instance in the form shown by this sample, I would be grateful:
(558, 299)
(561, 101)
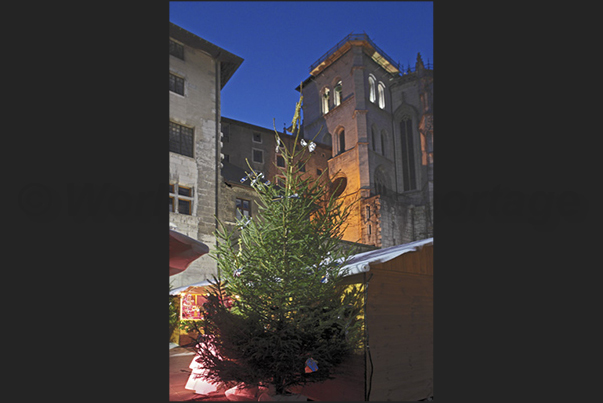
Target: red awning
(183, 251)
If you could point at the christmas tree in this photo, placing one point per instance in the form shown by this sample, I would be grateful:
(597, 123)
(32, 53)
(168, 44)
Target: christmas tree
(279, 313)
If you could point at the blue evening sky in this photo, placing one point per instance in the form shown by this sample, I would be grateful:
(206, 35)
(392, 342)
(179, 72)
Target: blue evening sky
(280, 40)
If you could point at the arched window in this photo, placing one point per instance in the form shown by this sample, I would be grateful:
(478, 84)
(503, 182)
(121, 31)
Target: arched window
(372, 89)
(338, 186)
(381, 95)
(408, 154)
(337, 99)
(373, 138)
(325, 100)
(341, 138)
(383, 142)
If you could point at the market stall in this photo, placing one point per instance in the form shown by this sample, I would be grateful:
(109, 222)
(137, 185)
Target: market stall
(190, 299)
(397, 363)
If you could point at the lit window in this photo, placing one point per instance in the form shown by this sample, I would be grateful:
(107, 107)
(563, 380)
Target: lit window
(372, 95)
(176, 84)
(181, 139)
(381, 95)
(338, 89)
(325, 101)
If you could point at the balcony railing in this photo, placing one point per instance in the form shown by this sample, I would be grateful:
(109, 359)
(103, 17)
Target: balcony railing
(364, 37)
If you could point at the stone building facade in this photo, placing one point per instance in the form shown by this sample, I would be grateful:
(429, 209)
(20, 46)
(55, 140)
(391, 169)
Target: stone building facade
(378, 120)
(375, 138)
(244, 144)
(248, 146)
(198, 71)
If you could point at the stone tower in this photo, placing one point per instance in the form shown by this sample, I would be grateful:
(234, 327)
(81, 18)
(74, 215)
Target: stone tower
(378, 119)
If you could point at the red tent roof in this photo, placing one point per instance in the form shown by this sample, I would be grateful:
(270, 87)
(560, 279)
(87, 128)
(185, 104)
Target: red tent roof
(183, 251)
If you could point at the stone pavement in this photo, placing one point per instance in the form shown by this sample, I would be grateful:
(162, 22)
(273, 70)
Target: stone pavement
(180, 359)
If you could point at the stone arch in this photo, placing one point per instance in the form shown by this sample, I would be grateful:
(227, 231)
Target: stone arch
(339, 145)
(338, 185)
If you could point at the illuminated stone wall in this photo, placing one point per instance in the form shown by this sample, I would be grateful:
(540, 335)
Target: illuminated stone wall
(375, 159)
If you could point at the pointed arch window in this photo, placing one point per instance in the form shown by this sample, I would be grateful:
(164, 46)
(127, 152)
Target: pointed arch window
(325, 100)
(408, 155)
(381, 90)
(337, 98)
(373, 139)
(372, 88)
(341, 141)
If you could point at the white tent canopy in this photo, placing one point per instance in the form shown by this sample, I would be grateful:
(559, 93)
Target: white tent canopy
(178, 290)
(356, 264)
(361, 262)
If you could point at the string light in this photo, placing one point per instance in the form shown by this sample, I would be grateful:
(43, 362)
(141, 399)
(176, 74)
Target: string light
(258, 177)
(311, 146)
(279, 197)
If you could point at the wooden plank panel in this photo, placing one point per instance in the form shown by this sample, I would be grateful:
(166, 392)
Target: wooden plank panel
(403, 283)
(400, 326)
(420, 262)
(407, 391)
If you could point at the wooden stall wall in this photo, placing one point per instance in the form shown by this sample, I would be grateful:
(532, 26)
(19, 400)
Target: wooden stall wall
(399, 318)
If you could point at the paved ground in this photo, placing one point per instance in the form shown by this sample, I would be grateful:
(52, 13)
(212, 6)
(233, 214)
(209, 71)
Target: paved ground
(180, 359)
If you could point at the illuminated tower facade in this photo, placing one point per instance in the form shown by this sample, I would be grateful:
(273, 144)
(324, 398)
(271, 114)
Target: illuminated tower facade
(378, 120)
